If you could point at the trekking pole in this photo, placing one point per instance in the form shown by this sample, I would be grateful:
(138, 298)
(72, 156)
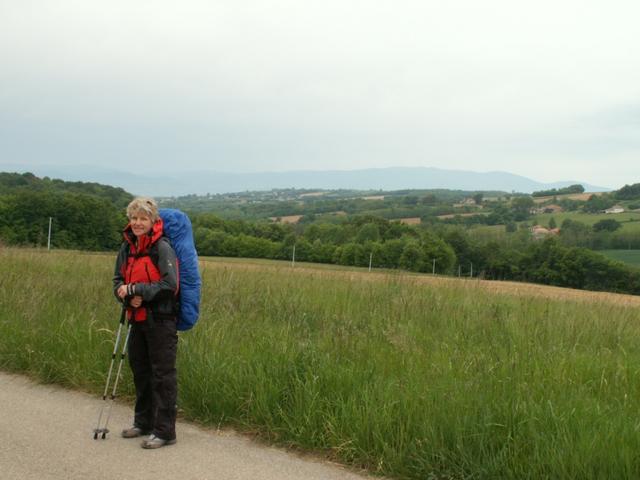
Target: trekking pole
(103, 430)
(115, 383)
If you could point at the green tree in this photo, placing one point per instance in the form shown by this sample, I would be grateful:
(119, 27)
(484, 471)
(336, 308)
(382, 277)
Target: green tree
(628, 192)
(229, 247)
(209, 242)
(577, 188)
(390, 253)
(348, 254)
(574, 233)
(434, 248)
(598, 203)
(412, 257)
(465, 250)
(501, 262)
(369, 232)
(429, 199)
(375, 249)
(606, 225)
(304, 250)
(79, 221)
(322, 252)
(521, 207)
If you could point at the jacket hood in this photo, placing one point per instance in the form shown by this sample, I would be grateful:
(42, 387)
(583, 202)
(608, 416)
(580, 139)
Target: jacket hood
(146, 240)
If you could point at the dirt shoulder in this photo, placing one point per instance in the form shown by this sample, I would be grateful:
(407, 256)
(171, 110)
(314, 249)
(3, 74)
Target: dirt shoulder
(46, 434)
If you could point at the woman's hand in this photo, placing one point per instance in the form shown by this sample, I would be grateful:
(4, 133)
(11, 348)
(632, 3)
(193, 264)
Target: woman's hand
(122, 291)
(136, 301)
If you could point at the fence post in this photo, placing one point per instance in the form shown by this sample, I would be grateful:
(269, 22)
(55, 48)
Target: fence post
(49, 235)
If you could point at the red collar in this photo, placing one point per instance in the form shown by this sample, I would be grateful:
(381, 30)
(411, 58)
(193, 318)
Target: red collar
(144, 242)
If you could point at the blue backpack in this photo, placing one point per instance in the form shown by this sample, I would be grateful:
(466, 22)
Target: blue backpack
(177, 228)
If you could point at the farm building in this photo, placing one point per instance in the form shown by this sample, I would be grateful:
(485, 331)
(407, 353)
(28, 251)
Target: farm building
(615, 209)
(539, 232)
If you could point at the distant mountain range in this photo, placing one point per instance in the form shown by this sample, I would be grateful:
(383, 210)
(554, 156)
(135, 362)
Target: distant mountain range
(164, 183)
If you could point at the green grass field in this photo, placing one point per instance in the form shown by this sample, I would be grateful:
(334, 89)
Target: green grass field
(487, 233)
(630, 223)
(407, 380)
(630, 220)
(630, 257)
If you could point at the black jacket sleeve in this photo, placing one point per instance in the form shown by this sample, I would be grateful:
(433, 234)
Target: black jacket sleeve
(118, 278)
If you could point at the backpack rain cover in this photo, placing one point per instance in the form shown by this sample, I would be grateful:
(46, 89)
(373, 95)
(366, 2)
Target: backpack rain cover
(177, 228)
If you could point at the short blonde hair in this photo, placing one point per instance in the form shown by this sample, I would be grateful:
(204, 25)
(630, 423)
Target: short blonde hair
(146, 205)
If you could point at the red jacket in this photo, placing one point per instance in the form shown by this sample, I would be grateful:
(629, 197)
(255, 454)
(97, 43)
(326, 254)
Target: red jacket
(156, 283)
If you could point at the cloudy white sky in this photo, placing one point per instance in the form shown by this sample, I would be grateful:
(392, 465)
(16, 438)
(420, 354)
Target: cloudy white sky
(545, 89)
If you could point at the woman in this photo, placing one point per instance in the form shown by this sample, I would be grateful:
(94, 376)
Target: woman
(146, 281)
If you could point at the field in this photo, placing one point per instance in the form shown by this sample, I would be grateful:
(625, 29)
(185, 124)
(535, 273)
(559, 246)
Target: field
(571, 196)
(462, 215)
(286, 219)
(630, 257)
(408, 221)
(487, 233)
(630, 220)
(409, 376)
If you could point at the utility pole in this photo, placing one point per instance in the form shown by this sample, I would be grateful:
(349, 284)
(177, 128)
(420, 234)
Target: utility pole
(434, 267)
(459, 270)
(49, 236)
(370, 260)
(471, 273)
(293, 258)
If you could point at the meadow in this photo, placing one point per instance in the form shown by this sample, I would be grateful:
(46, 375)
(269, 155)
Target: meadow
(630, 221)
(404, 378)
(630, 257)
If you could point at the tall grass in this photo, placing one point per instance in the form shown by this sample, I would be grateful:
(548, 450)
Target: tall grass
(406, 380)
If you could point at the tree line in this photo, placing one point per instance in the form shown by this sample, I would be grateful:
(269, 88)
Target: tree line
(443, 249)
(84, 216)
(91, 217)
(577, 188)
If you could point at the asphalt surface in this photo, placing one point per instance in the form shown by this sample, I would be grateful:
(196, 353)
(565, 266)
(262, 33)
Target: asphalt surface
(46, 432)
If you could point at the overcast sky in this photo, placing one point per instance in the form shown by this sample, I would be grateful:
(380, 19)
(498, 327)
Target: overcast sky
(545, 89)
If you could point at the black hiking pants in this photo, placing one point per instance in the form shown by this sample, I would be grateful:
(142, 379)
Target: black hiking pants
(152, 356)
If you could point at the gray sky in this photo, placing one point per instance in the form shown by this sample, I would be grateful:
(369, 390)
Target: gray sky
(545, 89)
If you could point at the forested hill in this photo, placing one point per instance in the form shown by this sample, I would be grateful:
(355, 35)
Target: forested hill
(87, 216)
(11, 183)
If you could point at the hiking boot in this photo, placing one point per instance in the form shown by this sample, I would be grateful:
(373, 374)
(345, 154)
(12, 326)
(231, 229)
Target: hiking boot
(133, 432)
(156, 442)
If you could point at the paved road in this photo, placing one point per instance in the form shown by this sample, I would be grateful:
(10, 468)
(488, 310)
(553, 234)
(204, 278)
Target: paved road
(46, 433)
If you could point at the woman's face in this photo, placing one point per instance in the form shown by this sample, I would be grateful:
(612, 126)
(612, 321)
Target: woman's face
(140, 223)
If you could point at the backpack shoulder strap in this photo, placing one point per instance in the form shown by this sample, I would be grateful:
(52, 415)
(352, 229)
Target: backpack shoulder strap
(154, 250)
(153, 253)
